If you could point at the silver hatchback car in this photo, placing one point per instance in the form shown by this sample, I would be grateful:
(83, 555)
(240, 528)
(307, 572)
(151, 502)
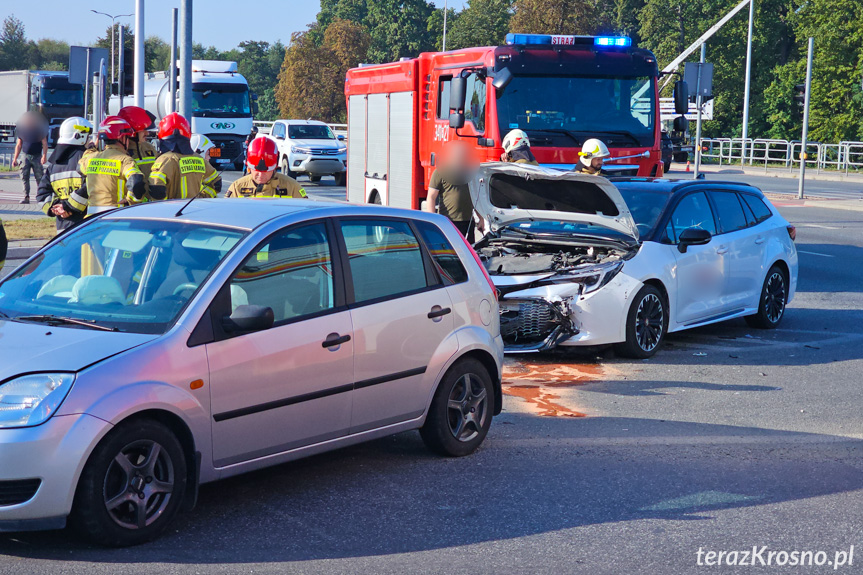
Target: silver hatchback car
(157, 348)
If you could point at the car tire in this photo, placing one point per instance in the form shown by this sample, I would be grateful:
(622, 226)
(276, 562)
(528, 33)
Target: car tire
(646, 324)
(341, 178)
(137, 461)
(286, 169)
(772, 301)
(314, 179)
(460, 413)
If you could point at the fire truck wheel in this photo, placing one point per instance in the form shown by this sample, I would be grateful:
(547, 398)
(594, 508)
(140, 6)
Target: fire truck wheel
(375, 199)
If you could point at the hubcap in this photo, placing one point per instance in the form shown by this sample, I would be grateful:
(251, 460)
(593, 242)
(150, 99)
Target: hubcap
(649, 322)
(467, 408)
(774, 297)
(139, 484)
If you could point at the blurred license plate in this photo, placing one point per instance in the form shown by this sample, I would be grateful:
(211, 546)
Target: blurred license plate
(215, 152)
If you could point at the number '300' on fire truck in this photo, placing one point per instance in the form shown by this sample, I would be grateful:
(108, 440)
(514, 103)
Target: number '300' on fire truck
(561, 90)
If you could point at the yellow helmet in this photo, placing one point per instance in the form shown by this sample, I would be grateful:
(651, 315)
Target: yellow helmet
(593, 148)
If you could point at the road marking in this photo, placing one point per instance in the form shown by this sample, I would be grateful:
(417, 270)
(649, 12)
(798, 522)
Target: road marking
(819, 226)
(815, 254)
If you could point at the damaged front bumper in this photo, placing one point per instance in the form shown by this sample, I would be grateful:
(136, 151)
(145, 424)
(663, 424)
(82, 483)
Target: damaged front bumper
(535, 324)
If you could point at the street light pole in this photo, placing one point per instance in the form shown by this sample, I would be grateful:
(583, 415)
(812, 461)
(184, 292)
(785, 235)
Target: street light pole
(445, 9)
(747, 83)
(113, 25)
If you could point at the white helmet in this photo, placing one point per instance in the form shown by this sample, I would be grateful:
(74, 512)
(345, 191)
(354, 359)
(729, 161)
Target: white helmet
(74, 131)
(201, 143)
(593, 148)
(514, 140)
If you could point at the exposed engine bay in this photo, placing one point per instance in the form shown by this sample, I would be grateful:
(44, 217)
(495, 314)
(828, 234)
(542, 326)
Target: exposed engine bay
(508, 257)
(535, 320)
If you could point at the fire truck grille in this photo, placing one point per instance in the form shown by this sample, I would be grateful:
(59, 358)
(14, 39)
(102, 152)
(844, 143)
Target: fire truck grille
(526, 321)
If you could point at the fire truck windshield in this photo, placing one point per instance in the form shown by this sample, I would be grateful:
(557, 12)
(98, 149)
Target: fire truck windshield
(564, 111)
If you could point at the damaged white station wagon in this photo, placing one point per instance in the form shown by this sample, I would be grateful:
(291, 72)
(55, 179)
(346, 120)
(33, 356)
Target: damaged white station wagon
(581, 261)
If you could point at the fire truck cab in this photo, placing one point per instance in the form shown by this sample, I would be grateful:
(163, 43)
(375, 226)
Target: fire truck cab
(561, 90)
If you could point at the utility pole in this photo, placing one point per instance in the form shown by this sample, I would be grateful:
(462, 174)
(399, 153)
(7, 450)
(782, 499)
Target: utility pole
(445, 4)
(699, 102)
(113, 25)
(139, 53)
(172, 74)
(747, 83)
(805, 119)
(186, 59)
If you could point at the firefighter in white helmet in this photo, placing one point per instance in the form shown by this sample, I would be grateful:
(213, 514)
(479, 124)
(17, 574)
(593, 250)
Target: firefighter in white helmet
(202, 145)
(516, 148)
(61, 177)
(591, 156)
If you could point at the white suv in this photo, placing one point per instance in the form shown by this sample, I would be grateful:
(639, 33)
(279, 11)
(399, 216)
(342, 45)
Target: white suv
(310, 147)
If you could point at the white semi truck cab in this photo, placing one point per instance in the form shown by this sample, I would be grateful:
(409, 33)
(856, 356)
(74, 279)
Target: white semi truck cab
(222, 106)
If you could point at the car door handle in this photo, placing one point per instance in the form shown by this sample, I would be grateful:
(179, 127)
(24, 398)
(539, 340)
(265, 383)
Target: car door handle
(759, 240)
(439, 312)
(722, 250)
(335, 339)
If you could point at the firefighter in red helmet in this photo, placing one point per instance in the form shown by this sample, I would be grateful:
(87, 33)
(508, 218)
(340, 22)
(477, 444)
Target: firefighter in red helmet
(263, 181)
(179, 173)
(139, 148)
(113, 179)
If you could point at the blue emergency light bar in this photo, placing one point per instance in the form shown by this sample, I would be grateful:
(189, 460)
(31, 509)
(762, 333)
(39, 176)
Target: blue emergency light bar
(562, 40)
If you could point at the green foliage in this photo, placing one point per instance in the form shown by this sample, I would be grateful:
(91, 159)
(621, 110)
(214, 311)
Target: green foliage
(399, 28)
(481, 23)
(15, 50)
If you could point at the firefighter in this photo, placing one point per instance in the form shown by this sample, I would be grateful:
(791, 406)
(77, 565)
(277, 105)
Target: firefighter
(263, 181)
(140, 149)
(516, 148)
(113, 179)
(178, 173)
(591, 156)
(202, 145)
(61, 177)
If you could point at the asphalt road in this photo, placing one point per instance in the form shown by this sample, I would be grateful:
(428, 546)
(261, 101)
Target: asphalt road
(729, 438)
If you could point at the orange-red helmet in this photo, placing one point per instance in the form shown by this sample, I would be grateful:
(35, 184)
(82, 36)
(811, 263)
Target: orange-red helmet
(173, 123)
(139, 118)
(114, 128)
(263, 155)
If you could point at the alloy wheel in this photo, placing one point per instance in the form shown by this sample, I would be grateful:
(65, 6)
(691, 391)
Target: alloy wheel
(467, 407)
(139, 484)
(649, 322)
(774, 297)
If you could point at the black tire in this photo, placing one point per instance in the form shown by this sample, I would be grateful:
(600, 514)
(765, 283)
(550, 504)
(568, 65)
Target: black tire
(375, 199)
(666, 167)
(460, 413)
(646, 324)
(771, 304)
(239, 166)
(341, 178)
(154, 461)
(286, 169)
(314, 179)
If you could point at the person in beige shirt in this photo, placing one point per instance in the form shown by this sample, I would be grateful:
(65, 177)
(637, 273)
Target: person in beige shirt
(262, 180)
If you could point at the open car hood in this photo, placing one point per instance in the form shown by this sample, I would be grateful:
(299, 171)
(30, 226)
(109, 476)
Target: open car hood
(504, 192)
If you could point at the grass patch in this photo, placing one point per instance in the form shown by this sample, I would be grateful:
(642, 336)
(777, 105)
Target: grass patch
(30, 229)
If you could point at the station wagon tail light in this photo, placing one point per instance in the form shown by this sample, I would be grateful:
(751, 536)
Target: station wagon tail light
(792, 232)
(477, 260)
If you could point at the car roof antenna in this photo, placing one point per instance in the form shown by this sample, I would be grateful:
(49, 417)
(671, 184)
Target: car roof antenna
(180, 211)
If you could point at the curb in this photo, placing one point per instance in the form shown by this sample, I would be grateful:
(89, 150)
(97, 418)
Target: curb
(21, 253)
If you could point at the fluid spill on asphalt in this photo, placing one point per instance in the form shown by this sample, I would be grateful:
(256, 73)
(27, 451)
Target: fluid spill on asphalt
(534, 381)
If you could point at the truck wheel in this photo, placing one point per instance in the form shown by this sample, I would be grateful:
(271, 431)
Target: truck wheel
(341, 178)
(286, 169)
(375, 199)
(314, 178)
(132, 486)
(666, 167)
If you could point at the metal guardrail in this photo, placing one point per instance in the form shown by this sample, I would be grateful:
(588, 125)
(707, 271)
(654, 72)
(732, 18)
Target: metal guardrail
(844, 156)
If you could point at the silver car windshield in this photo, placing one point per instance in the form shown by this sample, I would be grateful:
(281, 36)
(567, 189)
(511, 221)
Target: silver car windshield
(126, 275)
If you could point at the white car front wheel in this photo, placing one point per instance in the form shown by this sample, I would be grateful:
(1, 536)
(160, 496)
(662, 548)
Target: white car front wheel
(646, 324)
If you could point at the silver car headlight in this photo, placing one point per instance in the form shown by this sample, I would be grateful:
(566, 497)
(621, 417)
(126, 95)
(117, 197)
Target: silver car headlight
(298, 150)
(591, 279)
(32, 399)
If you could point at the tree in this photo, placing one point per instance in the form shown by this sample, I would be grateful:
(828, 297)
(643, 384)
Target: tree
(555, 17)
(481, 23)
(15, 51)
(51, 55)
(128, 43)
(157, 55)
(399, 28)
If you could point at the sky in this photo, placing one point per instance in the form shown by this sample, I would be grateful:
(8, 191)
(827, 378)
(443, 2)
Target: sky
(219, 23)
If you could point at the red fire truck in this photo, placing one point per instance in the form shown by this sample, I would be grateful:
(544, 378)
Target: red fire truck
(561, 90)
